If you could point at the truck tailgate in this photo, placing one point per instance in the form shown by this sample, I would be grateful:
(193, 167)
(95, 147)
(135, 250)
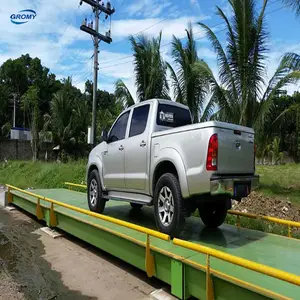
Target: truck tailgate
(235, 151)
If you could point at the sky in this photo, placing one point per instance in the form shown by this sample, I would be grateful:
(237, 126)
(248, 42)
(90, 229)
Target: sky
(54, 35)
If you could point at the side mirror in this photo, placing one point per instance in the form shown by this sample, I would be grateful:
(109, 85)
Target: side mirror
(104, 136)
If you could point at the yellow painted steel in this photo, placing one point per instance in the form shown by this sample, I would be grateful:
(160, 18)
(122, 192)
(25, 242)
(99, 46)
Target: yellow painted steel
(39, 211)
(245, 263)
(142, 229)
(266, 218)
(76, 185)
(150, 264)
(236, 213)
(9, 195)
(149, 261)
(237, 281)
(209, 282)
(53, 219)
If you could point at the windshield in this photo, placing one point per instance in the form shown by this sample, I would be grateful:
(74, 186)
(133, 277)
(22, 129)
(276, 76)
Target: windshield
(172, 116)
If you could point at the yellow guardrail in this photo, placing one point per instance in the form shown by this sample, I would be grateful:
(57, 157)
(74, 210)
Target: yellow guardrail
(289, 223)
(70, 184)
(149, 260)
(239, 214)
(242, 262)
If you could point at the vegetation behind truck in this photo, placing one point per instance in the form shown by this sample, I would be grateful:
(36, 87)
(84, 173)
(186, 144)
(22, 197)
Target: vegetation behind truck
(154, 155)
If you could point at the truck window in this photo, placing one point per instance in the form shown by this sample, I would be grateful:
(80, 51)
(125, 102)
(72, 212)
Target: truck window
(139, 120)
(172, 116)
(119, 129)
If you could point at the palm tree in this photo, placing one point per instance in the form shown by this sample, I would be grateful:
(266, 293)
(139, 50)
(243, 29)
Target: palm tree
(275, 151)
(189, 87)
(240, 90)
(67, 121)
(123, 94)
(294, 5)
(150, 71)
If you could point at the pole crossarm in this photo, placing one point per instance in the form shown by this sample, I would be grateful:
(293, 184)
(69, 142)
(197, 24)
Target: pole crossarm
(107, 10)
(94, 33)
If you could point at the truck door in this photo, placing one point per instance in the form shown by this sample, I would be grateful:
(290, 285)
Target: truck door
(136, 152)
(113, 157)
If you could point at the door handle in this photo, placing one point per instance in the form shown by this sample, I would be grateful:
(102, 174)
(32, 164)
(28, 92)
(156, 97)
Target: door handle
(121, 148)
(143, 144)
(105, 152)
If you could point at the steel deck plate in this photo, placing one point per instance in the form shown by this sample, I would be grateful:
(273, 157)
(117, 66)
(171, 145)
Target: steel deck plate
(272, 250)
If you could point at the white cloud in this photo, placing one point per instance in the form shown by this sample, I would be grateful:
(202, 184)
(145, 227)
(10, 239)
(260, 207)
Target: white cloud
(148, 8)
(206, 53)
(122, 28)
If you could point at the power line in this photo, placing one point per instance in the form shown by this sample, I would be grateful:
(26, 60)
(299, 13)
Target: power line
(211, 27)
(147, 28)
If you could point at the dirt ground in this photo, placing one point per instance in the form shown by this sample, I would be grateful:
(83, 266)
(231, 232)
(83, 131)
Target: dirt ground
(33, 266)
(260, 204)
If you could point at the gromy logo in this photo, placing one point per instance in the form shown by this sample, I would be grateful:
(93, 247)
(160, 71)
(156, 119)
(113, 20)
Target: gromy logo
(23, 16)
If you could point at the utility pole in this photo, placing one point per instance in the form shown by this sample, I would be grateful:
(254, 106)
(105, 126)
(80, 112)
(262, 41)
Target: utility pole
(14, 122)
(97, 37)
(15, 108)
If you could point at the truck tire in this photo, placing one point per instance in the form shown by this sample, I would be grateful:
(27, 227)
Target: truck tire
(95, 200)
(168, 206)
(213, 214)
(136, 206)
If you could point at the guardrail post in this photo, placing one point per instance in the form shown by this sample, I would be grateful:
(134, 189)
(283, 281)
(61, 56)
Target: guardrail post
(39, 211)
(9, 196)
(289, 231)
(238, 221)
(149, 260)
(53, 220)
(209, 283)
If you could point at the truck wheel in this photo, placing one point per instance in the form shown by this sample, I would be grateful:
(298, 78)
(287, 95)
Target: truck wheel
(136, 206)
(95, 200)
(213, 214)
(168, 208)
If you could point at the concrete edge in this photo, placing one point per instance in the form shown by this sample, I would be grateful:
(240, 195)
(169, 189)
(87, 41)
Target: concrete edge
(3, 198)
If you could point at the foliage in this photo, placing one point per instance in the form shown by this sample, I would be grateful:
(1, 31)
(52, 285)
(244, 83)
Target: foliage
(68, 119)
(242, 69)
(294, 5)
(275, 151)
(30, 102)
(190, 88)
(283, 121)
(150, 71)
(54, 110)
(123, 94)
(16, 76)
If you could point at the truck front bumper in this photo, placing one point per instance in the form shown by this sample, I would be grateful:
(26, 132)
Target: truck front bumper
(235, 186)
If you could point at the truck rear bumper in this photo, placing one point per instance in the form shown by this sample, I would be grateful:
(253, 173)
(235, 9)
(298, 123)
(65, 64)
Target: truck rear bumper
(235, 186)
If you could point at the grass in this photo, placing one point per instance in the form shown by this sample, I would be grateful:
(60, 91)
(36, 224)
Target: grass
(282, 181)
(26, 174)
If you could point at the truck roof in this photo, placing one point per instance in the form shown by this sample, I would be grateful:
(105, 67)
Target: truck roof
(164, 101)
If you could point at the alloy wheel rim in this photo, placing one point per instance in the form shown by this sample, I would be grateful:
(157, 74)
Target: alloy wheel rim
(93, 192)
(166, 206)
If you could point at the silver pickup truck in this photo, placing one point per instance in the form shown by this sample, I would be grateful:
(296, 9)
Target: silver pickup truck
(154, 155)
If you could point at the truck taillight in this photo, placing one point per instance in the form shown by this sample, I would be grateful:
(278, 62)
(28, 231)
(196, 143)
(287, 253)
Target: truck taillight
(212, 154)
